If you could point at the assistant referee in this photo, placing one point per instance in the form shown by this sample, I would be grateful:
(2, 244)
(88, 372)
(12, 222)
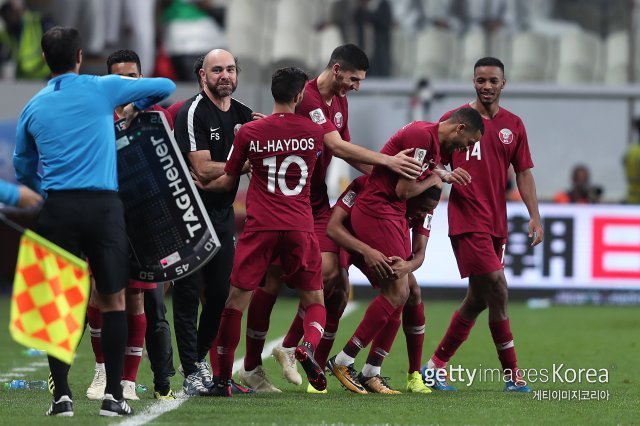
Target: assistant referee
(67, 127)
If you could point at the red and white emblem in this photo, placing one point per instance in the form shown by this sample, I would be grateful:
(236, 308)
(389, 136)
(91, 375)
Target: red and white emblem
(506, 136)
(337, 120)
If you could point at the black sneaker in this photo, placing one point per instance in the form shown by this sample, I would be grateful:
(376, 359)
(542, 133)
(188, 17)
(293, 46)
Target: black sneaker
(62, 407)
(222, 389)
(315, 373)
(238, 389)
(114, 408)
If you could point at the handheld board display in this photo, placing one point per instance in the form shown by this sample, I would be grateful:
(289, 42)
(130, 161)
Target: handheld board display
(169, 229)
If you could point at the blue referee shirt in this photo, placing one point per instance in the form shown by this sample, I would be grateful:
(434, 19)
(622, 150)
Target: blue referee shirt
(9, 193)
(68, 126)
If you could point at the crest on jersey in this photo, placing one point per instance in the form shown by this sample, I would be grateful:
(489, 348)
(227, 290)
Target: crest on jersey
(236, 128)
(349, 198)
(317, 116)
(506, 136)
(420, 154)
(337, 120)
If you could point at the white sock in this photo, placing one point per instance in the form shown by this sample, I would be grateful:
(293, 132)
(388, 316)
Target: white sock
(370, 370)
(344, 359)
(430, 364)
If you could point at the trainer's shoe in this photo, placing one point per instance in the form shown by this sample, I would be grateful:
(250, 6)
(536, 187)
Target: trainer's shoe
(164, 396)
(377, 384)
(50, 385)
(222, 389)
(311, 389)
(62, 407)
(205, 373)
(415, 384)
(192, 386)
(114, 408)
(436, 381)
(315, 373)
(257, 379)
(99, 383)
(347, 375)
(129, 390)
(287, 360)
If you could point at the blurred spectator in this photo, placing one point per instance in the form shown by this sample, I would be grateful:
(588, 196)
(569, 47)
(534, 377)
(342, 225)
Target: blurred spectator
(189, 32)
(20, 41)
(598, 16)
(415, 15)
(581, 191)
(90, 18)
(632, 168)
(375, 16)
(492, 16)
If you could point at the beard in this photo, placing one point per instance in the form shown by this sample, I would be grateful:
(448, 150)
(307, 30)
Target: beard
(222, 89)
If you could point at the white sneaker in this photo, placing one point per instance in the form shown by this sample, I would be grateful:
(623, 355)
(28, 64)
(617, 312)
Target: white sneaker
(129, 390)
(98, 385)
(257, 380)
(287, 359)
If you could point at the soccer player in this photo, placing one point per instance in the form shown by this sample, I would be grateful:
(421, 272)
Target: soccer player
(378, 220)
(479, 244)
(325, 103)
(127, 63)
(68, 127)
(419, 214)
(282, 150)
(204, 130)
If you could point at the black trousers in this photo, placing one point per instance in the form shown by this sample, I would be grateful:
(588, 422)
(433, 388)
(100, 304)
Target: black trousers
(158, 338)
(195, 339)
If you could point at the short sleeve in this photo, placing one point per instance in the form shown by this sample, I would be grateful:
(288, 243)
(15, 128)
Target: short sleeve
(521, 158)
(191, 131)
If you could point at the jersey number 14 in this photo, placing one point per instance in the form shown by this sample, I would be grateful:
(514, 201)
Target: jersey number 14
(474, 152)
(282, 182)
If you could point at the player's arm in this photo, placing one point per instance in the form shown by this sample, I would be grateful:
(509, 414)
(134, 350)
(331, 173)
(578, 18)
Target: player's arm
(204, 167)
(406, 188)
(458, 175)
(400, 163)
(402, 267)
(225, 182)
(376, 261)
(527, 187)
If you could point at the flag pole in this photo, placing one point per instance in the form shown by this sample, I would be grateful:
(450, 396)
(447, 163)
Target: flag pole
(11, 224)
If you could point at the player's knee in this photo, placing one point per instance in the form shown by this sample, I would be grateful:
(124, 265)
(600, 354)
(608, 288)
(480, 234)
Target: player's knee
(330, 276)
(415, 295)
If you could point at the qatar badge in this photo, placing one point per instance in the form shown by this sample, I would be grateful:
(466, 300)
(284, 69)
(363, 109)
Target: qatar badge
(337, 120)
(506, 136)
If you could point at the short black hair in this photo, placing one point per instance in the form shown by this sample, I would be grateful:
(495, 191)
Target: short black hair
(60, 46)
(123, 55)
(470, 118)
(350, 57)
(286, 83)
(197, 66)
(489, 61)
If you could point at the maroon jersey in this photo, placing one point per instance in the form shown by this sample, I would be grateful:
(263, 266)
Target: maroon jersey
(348, 198)
(481, 206)
(330, 117)
(282, 149)
(379, 199)
(174, 108)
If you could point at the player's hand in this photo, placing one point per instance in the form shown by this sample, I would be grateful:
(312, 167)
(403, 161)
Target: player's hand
(459, 176)
(28, 198)
(246, 168)
(405, 165)
(130, 112)
(536, 232)
(258, 115)
(400, 267)
(378, 263)
(196, 181)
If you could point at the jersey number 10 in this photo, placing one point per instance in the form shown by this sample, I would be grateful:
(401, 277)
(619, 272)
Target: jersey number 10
(282, 182)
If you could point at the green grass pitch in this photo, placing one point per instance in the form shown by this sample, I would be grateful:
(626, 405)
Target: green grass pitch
(584, 337)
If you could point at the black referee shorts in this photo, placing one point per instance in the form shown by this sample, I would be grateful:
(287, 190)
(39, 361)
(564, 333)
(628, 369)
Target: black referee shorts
(90, 224)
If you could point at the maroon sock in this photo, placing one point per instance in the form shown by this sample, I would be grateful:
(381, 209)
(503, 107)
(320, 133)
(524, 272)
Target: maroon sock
(375, 319)
(95, 331)
(384, 339)
(258, 317)
(502, 337)
(413, 323)
(329, 336)
(314, 320)
(456, 334)
(228, 339)
(296, 331)
(135, 342)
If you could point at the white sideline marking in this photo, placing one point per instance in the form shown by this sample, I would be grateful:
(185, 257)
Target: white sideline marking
(18, 372)
(159, 408)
